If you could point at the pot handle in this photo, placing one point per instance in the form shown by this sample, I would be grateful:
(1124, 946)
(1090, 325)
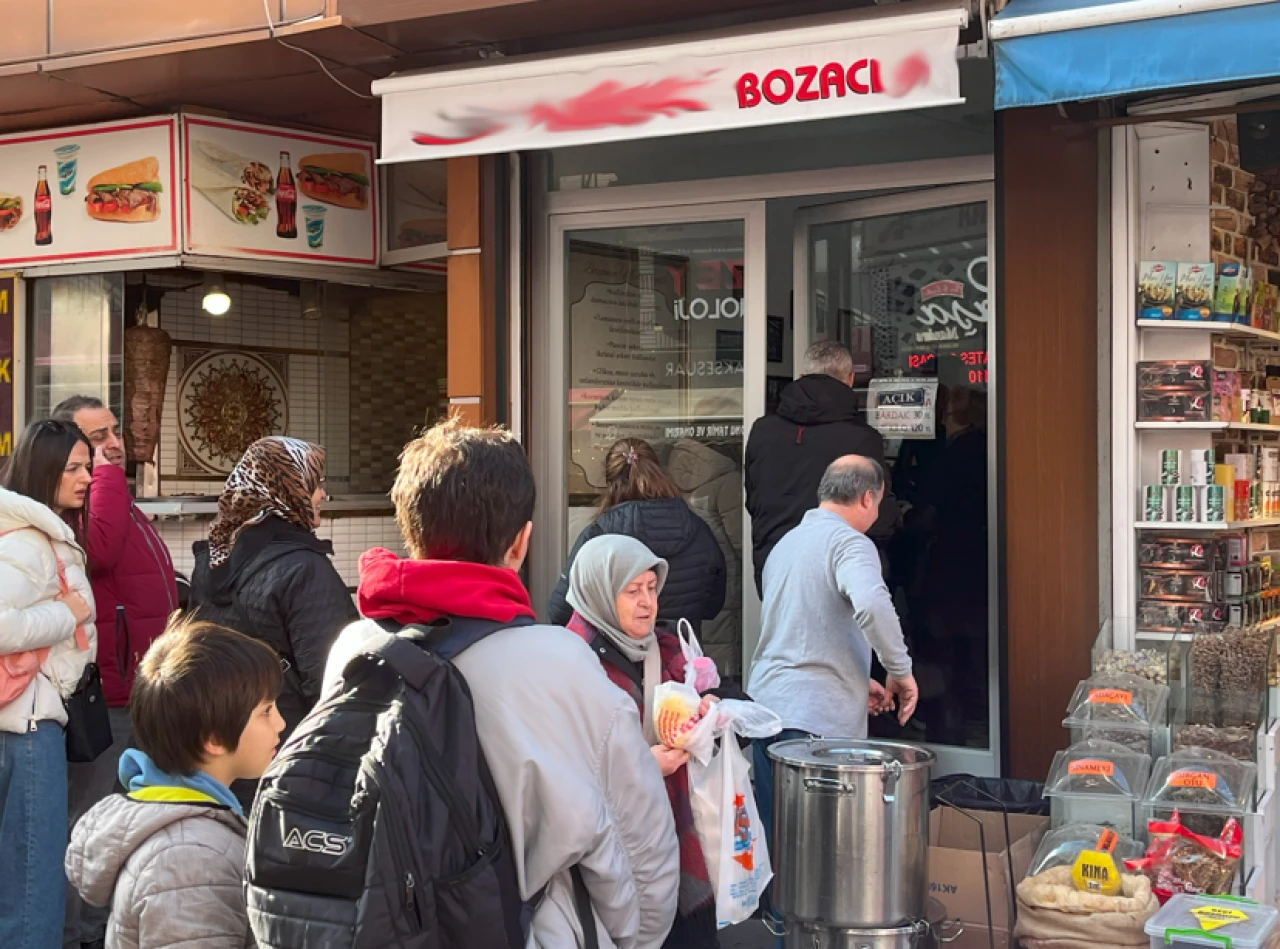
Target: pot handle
(827, 785)
(892, 772)
(949, 930)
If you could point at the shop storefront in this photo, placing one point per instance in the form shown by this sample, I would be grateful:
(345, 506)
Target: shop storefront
(839, 186)
(216, 281)
(1189, 301)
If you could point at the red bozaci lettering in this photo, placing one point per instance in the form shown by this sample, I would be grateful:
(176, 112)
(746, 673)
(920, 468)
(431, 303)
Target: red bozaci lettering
(809, 83)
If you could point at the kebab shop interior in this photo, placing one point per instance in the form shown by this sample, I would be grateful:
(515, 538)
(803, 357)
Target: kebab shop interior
(215, 282)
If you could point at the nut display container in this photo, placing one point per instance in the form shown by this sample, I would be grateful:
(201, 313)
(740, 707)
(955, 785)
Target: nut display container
(1206, 788)
(1097, 782)
(1119, 708)
(1060, 847)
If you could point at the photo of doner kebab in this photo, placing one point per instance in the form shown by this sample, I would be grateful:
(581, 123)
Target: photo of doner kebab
(245, 171)
(340, 179)
(242, 204)
(10, 211)
(129, 194)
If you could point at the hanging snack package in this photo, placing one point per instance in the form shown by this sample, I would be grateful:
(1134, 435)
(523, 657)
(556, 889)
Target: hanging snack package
(1180, 861)
(1206, 788)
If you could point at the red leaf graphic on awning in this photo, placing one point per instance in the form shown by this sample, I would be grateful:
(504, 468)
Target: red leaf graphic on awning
(610, 103)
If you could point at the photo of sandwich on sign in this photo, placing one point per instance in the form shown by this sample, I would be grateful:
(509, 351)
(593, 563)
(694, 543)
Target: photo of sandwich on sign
(246, 172)
(10, 211)
(128, 194)
(338, 178)
(228, 194)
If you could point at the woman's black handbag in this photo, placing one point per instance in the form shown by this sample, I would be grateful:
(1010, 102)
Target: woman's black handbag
(88, 724)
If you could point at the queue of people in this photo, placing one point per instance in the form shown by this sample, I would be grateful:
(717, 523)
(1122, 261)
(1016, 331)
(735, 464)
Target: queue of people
(600, 839)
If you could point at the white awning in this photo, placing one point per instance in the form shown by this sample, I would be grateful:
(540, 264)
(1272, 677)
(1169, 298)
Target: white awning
(878, 60)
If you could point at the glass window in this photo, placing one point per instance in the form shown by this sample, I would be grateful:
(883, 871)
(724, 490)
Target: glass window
(908, 293)
(77, 341)
(655, 325)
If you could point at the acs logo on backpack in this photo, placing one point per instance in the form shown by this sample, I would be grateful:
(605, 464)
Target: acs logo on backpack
(317, 841)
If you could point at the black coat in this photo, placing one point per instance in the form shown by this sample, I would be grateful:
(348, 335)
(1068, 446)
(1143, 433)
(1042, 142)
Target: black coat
(817, 421)
(279, 586)
(695, 563)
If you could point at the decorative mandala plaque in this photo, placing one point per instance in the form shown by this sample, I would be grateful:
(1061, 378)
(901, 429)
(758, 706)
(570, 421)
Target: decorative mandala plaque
(227, 400)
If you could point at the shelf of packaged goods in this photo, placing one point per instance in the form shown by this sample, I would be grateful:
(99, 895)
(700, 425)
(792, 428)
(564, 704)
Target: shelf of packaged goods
(1209, 326)
(1208, 525)
(1206, 427)
(1154, 636)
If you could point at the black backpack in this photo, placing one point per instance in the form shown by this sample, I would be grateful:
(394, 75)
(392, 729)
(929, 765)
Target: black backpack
(378, 825)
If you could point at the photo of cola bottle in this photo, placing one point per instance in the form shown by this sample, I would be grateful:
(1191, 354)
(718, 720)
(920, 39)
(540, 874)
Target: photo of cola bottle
(286, 201)
(44, 208)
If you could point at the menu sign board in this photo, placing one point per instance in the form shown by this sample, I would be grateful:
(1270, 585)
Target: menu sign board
(90, 192)
(8, 303)
(255, 191)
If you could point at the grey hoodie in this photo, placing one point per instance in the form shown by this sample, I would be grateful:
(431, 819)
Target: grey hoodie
(172, 872)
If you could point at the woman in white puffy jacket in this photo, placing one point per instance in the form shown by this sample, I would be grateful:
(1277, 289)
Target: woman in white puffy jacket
(43, 509)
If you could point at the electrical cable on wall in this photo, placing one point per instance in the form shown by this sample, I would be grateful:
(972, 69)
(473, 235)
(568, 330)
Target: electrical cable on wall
(271, 28)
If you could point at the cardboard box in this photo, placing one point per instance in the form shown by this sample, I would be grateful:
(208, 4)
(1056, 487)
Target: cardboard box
(956, 866)
(976, 937)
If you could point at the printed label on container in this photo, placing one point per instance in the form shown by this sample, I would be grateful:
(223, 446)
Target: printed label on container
(1215, 917)
(1110, 697)
(1092, 766)
(1193, 779)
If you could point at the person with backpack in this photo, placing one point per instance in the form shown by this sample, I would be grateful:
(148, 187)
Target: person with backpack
(47, 638)
(614, 587)
(507, 781)
(135, 593)
(167, 855)
(642, 501)
(264, 572)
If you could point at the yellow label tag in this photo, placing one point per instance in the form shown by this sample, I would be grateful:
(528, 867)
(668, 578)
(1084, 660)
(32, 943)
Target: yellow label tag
(1096, 872)
(1215, 917)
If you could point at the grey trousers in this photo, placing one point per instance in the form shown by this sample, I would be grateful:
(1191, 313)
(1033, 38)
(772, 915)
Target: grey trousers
(87, 784)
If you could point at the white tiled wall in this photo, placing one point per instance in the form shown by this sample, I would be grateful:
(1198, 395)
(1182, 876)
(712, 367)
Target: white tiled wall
(351, 537)
(319, 386)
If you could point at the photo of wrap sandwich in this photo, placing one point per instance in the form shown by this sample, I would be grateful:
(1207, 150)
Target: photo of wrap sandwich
(338, 178)
(242, 204)
(128, 194)
(245, 171)
(10, 211)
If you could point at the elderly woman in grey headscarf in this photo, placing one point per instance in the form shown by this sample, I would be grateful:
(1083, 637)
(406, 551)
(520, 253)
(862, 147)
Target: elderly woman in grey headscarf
(613, 588)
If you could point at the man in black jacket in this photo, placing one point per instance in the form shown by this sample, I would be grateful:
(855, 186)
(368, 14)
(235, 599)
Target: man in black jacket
(817, 421)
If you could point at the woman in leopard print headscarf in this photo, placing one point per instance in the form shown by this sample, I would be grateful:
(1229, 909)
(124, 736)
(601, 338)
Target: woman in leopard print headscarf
(264, 572)
(276, 476)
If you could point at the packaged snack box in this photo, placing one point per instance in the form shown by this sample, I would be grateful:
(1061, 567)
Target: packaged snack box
(1157, 286)
(1232, 295)
(1194, 299)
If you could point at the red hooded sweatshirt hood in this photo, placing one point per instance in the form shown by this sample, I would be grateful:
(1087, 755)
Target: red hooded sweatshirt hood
(420, 591)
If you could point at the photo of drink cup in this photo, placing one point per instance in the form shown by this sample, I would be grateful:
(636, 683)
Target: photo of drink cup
(66, 156)
(313, 221)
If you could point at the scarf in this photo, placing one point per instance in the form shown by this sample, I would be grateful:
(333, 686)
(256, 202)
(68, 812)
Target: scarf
(601, 571)
(276, 476)
(419, 591)
(138, 772)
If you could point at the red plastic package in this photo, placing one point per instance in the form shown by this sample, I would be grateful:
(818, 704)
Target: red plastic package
(1179, 861)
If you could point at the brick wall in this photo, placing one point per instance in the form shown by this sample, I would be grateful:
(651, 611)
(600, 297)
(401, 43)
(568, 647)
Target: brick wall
(1243, 206)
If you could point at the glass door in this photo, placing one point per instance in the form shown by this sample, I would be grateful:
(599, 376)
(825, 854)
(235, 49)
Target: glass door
(904, 282)
(656, 320)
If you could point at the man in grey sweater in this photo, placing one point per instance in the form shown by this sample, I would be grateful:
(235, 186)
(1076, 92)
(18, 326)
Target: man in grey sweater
(826, 607)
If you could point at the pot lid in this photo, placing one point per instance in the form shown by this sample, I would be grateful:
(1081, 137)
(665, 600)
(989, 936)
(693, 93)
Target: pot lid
(849, 754)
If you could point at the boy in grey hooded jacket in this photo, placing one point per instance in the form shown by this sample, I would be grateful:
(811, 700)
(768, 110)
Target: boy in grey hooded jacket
(168, 855)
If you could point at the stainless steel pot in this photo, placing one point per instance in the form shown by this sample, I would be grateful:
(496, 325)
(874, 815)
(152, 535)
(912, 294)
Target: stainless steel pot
(851, 832)
(932, 932)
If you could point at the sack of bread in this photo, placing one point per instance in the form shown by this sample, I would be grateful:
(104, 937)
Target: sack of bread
(126, 194)
(676, 710)
(338, 178)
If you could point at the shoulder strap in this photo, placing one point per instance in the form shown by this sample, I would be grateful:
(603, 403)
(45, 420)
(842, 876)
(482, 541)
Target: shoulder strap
(586, 915)
(82, 638)
(409, 661)
(450, 637)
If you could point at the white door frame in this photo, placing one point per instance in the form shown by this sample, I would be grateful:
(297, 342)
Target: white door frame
(551, 399)
(951, 759)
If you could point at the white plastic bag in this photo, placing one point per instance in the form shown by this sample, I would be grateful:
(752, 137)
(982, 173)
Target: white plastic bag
(724, 811)
(699, 671)
(728, 825)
